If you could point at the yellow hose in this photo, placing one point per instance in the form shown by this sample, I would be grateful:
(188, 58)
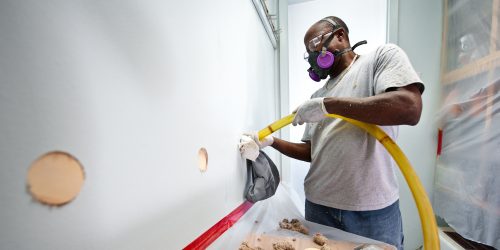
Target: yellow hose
(429, 226)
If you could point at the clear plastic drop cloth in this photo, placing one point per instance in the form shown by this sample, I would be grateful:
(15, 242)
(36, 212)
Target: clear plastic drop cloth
(467, 180)
(264, 216)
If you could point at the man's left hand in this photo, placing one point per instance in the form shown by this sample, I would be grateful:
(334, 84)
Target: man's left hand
(312, 111)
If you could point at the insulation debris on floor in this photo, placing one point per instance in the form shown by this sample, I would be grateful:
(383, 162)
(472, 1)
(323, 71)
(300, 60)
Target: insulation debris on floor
(245, 246)
(294, 225)
(283, 245)
(270, 242)
(322, 241)
(262, 228)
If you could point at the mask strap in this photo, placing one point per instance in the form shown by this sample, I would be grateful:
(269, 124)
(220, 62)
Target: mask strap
(330, 21)
(327, 42)
(359, 43)
(335, 25)
(339, 53)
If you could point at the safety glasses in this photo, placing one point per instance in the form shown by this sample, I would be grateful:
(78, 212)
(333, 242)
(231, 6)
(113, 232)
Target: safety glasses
(315, 41)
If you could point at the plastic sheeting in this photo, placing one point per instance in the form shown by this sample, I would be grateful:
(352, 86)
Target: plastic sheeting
(467, 181)
(284, 204)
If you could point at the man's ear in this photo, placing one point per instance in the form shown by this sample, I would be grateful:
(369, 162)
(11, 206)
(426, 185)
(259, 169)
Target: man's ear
(341, 35)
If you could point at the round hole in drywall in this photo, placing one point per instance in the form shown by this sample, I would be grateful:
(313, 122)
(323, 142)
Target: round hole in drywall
(55, 178)
(202, 159)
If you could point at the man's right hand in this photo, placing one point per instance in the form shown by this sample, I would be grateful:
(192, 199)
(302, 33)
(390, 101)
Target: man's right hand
(266, 141)
(250, 145)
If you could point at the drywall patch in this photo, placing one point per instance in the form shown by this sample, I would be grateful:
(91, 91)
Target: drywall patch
(202, 159)
(55, 178)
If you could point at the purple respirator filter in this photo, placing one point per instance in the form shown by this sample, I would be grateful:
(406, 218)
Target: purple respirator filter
(327, 60)
(314, 76)
(324, 62)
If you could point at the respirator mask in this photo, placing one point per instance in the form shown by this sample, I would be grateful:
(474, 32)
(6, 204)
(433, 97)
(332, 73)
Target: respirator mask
(322, 62)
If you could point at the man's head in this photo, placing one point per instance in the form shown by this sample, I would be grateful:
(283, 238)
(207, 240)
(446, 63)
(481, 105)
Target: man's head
(326, 42)
(319, 29)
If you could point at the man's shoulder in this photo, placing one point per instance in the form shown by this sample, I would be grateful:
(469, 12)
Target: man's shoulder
(374, 55)
(382, 49)
(383, 53)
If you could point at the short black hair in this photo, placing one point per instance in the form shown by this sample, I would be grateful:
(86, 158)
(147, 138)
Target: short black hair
(339, 22)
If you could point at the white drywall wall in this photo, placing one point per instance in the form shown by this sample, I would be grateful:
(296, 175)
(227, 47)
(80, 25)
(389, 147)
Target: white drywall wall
(366, 22)
(420, 36)
(132, 89)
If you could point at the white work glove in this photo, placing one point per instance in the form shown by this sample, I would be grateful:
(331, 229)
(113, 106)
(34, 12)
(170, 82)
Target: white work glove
(248, 148)
(250, 145)
(312, 111)
(266, 141)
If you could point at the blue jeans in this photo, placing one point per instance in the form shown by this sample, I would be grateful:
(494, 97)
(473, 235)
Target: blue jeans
(383, 225)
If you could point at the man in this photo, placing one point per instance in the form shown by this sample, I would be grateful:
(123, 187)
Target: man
(351, 184)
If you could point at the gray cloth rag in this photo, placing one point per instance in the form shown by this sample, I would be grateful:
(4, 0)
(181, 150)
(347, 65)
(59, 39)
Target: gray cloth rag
(264, 178)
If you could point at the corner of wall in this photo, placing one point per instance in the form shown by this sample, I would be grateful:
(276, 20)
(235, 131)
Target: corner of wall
(284, 86)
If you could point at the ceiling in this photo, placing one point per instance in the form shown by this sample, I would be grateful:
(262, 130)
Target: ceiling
(290, 2)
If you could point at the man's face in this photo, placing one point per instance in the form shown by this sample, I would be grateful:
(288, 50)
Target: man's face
(335, 44)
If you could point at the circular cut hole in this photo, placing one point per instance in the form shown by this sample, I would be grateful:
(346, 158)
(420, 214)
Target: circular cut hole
(202, 159)
(55, 178)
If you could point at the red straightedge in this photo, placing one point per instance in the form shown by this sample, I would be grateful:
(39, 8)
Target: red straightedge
(207, 238)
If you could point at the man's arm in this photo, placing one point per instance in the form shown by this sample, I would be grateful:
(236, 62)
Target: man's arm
(299, 151)
(397, 106)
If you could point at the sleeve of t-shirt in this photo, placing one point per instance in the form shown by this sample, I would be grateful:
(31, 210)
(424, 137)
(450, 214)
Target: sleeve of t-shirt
(393, 69)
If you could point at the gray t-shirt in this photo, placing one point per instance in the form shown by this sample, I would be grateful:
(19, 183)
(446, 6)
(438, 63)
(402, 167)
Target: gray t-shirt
(350, 169)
